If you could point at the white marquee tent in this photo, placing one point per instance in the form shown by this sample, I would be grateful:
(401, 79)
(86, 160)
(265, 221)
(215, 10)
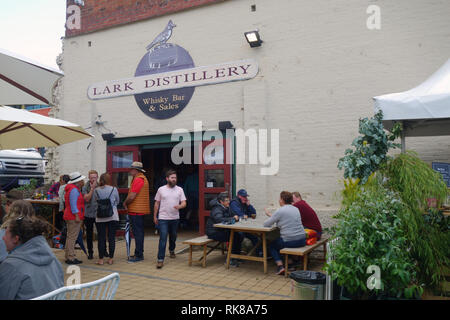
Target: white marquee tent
(423, 110)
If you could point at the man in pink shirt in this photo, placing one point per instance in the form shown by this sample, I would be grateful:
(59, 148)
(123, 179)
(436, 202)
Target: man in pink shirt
(168, 200)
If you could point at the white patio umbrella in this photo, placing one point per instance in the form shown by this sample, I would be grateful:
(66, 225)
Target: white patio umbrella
(24, 81)
(24, 129)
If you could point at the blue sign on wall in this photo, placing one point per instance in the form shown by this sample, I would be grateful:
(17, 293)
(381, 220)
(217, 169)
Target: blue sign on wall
(167, 103)
(444, 169)
(162, 57)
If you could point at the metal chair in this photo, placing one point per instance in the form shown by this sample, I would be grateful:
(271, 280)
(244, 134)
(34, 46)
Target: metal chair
(101, 289)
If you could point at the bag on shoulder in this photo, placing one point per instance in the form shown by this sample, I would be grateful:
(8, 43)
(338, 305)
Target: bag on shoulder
(104, 207)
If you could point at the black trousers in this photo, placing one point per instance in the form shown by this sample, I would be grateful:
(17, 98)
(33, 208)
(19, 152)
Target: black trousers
(224, 236)
(102, 227)
(59, 221)
(89, 223)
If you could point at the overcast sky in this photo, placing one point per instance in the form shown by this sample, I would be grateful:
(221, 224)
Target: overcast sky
(33, 28)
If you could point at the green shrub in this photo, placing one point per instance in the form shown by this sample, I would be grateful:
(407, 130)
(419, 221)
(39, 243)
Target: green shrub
(370, 232)
(371, 149)
(416, 182)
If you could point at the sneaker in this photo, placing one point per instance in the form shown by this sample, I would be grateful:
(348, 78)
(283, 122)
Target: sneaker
(234, 263)
(172, 254)
(134, 256)
(159, 265)
(74, 261)
(291, 267)
(135, 259)
(280, 270)
(90, 256)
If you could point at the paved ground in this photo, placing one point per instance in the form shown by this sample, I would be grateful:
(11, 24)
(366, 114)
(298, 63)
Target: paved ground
(177, 281)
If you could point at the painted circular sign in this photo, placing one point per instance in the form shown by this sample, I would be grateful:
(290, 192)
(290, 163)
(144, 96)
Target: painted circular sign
(166, 103)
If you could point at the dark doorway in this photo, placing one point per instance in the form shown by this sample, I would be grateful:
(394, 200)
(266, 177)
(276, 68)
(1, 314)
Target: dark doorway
(157, 161)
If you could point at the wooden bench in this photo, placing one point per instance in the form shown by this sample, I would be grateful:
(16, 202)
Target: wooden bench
(304, 251)
(202, 241)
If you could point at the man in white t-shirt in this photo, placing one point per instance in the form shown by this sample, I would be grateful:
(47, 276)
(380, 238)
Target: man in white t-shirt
(168, 200)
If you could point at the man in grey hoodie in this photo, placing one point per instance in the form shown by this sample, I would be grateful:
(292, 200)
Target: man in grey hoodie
(31, 269)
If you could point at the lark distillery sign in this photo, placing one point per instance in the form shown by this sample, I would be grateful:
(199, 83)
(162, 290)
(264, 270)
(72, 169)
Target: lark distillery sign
(166, 77)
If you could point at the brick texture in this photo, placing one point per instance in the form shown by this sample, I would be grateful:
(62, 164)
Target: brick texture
(102, 14)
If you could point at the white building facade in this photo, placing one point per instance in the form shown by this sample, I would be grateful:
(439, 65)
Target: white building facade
(319, 66)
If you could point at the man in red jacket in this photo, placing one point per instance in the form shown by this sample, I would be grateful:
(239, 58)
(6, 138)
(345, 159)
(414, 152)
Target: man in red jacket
(73, 214)
(309, 216)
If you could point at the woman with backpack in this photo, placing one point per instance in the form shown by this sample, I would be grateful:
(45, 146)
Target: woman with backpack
(107, 198)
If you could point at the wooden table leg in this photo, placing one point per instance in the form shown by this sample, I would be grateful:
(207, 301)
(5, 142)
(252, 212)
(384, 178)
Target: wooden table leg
(286, 265)
(264, 251)
(325, 251)
(54, 215)
(190, 255)
(204, 256)
(305, 262)
(230, 245)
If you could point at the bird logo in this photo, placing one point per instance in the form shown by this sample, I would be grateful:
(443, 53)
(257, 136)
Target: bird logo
(162, 38)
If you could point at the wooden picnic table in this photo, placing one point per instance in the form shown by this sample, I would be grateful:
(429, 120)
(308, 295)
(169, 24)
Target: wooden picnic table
(55, 207)
(249, 226)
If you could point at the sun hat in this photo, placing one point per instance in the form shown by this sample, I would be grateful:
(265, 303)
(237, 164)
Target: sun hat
(138, 166)
(76, 177)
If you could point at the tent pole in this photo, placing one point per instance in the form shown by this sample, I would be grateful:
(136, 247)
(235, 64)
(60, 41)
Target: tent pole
(403, 137)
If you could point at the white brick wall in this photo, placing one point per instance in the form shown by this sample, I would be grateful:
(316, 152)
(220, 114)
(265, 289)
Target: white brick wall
(319, 68)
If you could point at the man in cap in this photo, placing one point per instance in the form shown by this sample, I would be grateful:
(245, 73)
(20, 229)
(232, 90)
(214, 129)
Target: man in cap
(137, 204)
(73, 214)
(241, 207)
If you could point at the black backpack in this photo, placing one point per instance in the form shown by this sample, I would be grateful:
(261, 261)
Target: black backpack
(104, 207)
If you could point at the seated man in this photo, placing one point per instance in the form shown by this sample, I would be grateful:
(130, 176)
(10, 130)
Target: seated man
(241, 207)
(309, 216)
(220, 213)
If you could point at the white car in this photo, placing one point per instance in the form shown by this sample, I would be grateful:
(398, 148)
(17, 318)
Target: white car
(18, 167)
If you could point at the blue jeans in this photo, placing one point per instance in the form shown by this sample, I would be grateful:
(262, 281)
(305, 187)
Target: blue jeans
(254, 239)
(137, 225)
(279, 244)
(167, 228)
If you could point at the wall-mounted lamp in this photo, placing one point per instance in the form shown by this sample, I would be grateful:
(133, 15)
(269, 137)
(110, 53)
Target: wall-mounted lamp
(108, 136)
(253, 38)
(224, 125)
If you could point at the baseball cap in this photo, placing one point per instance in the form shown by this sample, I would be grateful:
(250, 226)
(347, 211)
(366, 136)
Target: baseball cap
(242, 193)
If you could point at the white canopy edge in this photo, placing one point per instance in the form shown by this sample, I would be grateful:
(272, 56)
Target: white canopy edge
(429, 100)
(9, 114)
(30, 61)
